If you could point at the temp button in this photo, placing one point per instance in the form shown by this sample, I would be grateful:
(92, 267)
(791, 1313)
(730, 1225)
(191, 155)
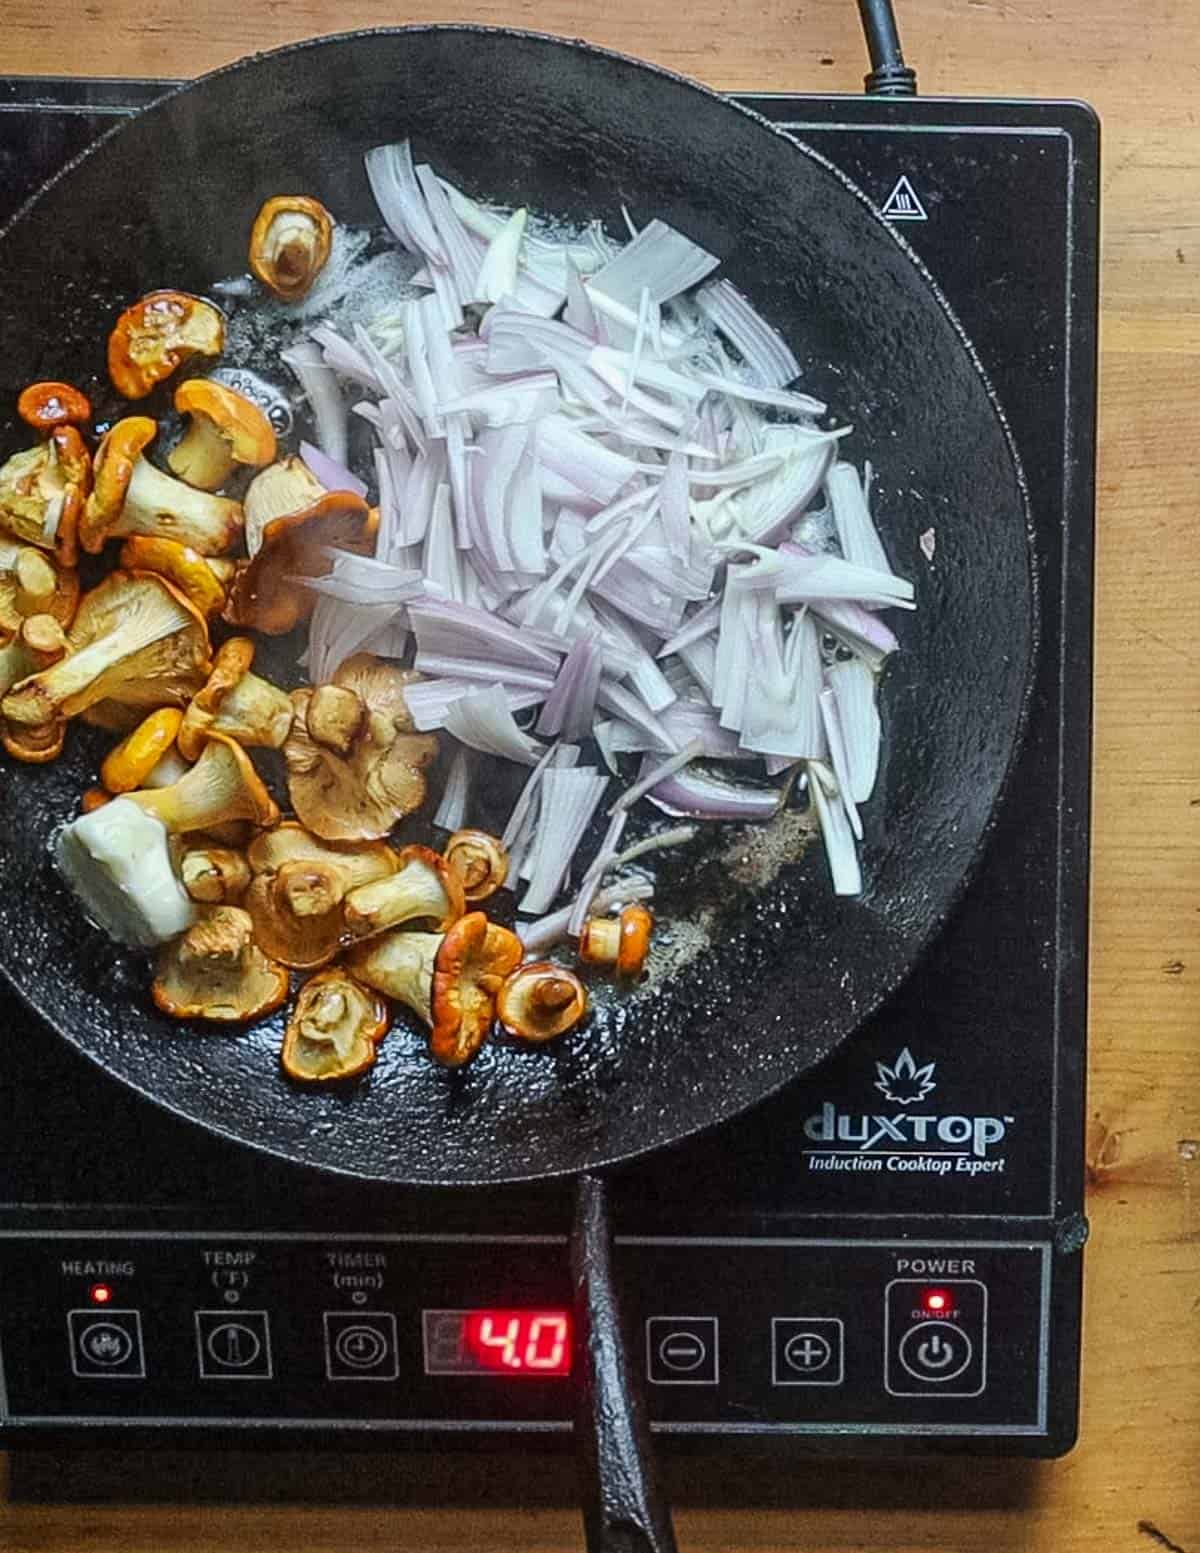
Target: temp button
(233, 1345)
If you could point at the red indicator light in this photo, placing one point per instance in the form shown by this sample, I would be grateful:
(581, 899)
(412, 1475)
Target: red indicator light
(520, 1342)
(938, 1299)
(101, 1294)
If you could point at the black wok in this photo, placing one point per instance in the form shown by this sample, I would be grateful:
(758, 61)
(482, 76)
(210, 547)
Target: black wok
(168, 200)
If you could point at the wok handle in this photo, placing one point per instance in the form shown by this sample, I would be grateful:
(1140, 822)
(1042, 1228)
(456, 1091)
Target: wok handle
(623, 1510)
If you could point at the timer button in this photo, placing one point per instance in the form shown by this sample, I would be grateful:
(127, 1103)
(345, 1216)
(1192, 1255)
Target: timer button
(360, 1345)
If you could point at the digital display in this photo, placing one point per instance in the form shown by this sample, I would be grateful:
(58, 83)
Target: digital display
(497, 1342)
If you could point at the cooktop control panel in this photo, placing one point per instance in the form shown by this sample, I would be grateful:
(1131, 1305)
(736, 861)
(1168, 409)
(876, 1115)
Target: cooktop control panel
(735, 1335)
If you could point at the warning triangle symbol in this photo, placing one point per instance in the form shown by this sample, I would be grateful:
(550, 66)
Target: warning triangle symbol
(902, 203)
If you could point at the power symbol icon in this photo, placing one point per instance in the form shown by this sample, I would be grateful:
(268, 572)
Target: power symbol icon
(935, 1351)
(935, 1354)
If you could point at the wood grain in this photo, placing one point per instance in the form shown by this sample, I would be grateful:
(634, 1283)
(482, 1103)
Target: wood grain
(1133, 1483)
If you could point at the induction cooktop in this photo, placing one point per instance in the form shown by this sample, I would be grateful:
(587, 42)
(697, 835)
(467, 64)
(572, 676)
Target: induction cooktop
(885, 1256)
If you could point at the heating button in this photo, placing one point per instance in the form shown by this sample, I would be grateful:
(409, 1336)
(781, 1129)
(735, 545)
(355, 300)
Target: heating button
(106, 1345)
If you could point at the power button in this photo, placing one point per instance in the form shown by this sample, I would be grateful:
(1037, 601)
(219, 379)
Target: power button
(936, 1338)
(935, 1351)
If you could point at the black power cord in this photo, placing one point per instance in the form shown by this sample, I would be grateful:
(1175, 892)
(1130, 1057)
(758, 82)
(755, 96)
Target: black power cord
(890, 76)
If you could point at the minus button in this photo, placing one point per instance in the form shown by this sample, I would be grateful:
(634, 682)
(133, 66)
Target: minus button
(682, 1351)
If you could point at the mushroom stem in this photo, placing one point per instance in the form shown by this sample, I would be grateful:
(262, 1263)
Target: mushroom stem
(401, 966)
(335, 716)
(35, 580)
(552, 994)
(309, 889)
(204, 455)
(422, 889)
(255, 712)
(221, 786)
(157, 504)
(215, 875)
(622, 941)
(601, 940)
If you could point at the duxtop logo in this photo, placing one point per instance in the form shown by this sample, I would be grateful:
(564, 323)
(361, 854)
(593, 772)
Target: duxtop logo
(904, 1083)
(906, 1139)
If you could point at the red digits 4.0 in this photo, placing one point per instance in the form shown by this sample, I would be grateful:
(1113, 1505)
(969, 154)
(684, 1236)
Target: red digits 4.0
(521, 1340)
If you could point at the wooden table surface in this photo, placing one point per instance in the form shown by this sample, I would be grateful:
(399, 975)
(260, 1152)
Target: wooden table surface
(1133, 1483)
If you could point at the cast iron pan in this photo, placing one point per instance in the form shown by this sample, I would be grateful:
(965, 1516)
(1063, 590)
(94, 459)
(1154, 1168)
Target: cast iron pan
(168, 200)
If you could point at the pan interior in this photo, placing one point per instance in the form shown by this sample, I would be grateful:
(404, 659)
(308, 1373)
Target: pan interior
(570, 130)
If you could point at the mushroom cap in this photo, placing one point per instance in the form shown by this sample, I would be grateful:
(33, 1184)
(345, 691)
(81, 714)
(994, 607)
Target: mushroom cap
(250, 435)
(157, 334)
(35, 746)
(475, 957)
(301, 940)
(291, 843)
(42, 493)
(196, 576)
(33, 584)
(126, 767)
(43, 406)
(299, 886)
(335, 1029)
(541, 1000)
(288, 256)
(358, 796)
(266, 593)
(126, 607)
(380, 685)
(216, 971)
(119, 450)
(275, 492)
(423, 889)
(75, 470)
(637, 928)
(480, 861)
(39, 643)
(232, 661)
